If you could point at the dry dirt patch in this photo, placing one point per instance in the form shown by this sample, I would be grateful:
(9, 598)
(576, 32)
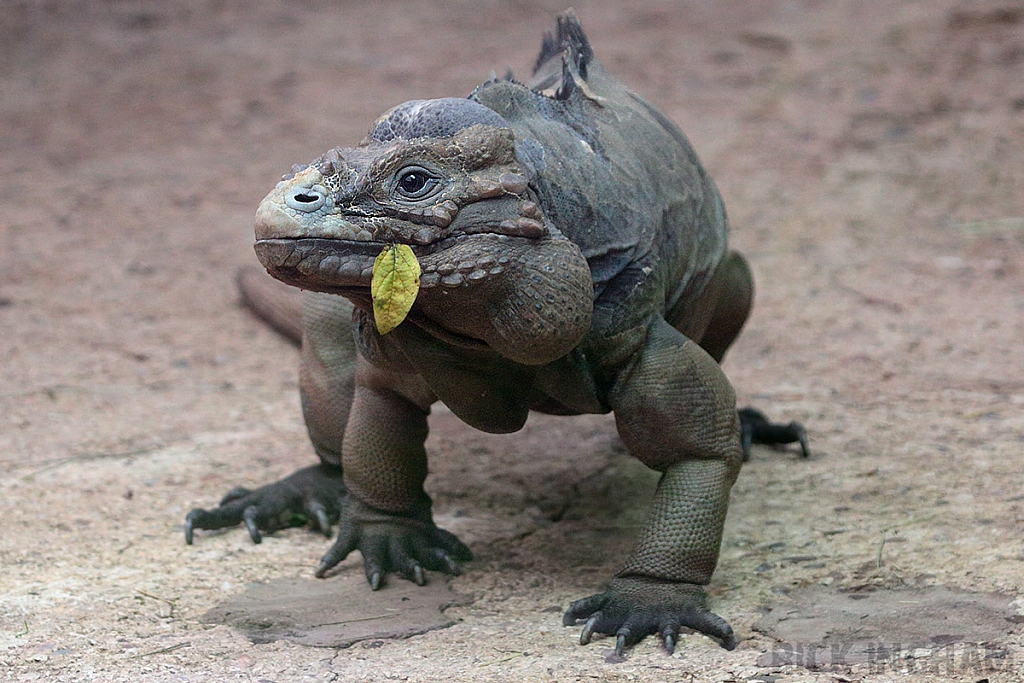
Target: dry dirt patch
(871, 156)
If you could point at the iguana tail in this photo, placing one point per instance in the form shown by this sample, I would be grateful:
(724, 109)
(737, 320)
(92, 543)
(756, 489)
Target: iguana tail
(275, 303)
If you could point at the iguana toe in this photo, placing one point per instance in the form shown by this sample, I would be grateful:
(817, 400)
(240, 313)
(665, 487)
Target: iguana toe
(250, 516)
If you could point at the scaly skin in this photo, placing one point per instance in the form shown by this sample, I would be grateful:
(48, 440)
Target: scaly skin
(575, 260)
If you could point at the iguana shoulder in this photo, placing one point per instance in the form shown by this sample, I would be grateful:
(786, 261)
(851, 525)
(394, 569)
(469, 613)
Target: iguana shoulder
(615, 175)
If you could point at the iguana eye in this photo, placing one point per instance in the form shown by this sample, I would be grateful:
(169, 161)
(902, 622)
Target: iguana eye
(415, 183)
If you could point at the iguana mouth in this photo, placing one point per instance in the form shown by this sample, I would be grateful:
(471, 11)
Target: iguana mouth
(308, 261)
(339, 265)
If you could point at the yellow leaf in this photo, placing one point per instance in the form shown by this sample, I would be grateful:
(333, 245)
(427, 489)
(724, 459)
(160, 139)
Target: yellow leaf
(395, 284)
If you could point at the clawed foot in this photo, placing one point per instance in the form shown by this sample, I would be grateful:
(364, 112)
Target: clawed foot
(403, 544)
(757, 429)
(311, 495)
(635, 607)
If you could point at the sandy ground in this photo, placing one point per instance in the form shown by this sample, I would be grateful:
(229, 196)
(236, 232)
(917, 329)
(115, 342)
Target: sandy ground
(871, 155)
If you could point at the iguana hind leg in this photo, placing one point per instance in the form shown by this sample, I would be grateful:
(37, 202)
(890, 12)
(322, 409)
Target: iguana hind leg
(731, 291)
(725, 304)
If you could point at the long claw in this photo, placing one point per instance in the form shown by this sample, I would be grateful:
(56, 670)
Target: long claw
(372, 568)
(801, 433)
(712, 625)
(450, 565)
(620, 644)
(323, 522)
(588, 629)
(333, 556)
(249, 517)
(746, 441)
(418, 576)
(669, 634)
(455, 548)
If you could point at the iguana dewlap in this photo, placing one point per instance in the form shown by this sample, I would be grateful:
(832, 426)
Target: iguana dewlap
(573, 259)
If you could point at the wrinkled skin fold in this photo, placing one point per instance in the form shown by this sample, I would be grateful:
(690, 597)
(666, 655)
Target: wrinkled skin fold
(574, 260)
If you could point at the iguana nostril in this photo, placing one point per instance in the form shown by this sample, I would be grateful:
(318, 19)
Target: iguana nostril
(305, 199)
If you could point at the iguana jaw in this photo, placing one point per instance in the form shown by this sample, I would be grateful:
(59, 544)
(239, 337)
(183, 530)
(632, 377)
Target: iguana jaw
(340, 266)
(531, 300)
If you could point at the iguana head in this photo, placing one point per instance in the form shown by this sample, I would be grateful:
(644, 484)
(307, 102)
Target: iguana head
(443, 177)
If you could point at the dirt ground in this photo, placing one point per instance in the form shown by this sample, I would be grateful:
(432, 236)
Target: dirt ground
(871, 156)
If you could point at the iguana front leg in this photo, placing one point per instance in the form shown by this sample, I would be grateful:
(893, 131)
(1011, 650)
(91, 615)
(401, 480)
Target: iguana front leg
(676, 412)
(387, 514)
(371, 423)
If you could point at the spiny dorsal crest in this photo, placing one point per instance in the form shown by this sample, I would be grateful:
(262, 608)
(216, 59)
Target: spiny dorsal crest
(570, 46)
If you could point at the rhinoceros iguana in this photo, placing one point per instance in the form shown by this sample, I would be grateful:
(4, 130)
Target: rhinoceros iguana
(572, 257)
